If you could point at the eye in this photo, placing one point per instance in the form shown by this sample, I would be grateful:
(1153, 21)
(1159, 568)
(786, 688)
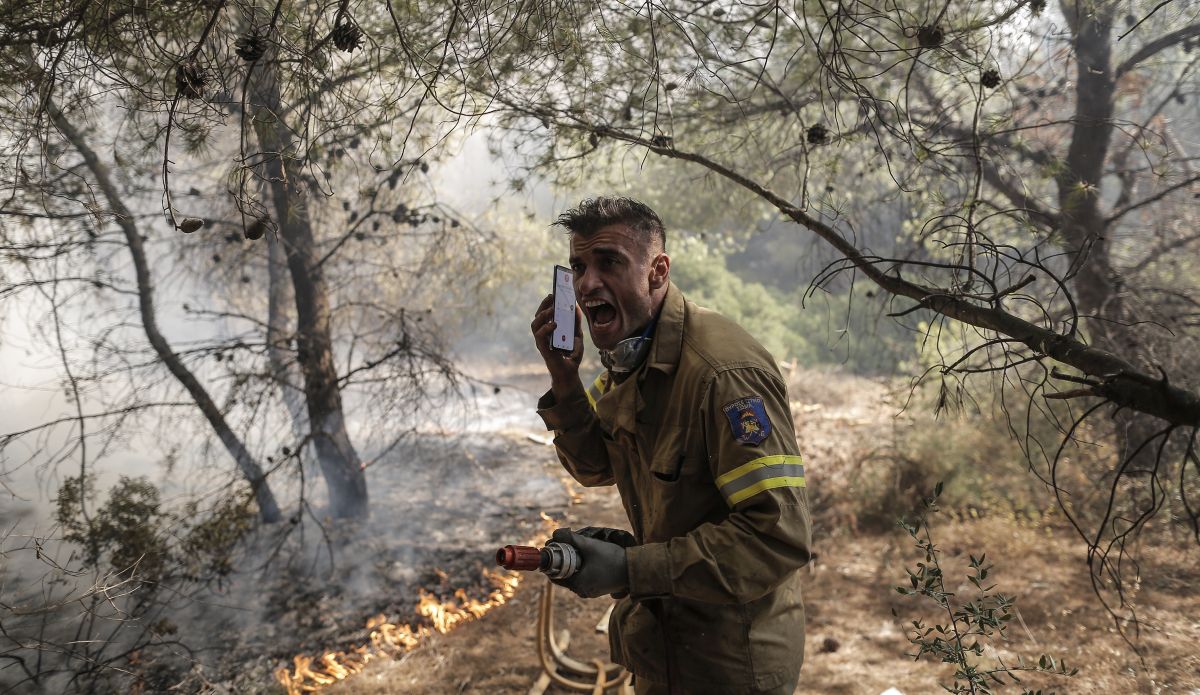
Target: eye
(577, 268)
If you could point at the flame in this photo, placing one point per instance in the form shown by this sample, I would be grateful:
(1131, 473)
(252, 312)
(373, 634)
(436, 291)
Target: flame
(573, 494)
(310, 674)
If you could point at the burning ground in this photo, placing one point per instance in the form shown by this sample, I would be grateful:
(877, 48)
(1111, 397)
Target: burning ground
(334, 597)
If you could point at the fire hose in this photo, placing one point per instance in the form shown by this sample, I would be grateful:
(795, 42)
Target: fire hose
(559, 561)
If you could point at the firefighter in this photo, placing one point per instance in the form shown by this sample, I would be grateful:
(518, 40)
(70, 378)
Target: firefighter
(690, 421)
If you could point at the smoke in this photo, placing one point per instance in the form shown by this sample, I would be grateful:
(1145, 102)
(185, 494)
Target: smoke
(448, 484)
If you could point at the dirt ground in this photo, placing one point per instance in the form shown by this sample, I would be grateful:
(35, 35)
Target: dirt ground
(856, 620)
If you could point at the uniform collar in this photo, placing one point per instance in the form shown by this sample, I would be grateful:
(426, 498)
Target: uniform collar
(668, 334)
(624, 403)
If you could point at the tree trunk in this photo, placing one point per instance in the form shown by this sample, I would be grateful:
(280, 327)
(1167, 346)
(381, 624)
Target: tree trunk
(268, 509)
(339, 461)
(279, 334)
(1097, 285)
(1079, 182)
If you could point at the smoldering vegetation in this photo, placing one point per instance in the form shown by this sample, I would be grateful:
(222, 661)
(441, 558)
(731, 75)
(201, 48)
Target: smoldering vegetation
(204, 596)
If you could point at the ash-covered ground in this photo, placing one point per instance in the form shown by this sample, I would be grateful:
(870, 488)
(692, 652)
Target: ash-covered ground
(436, 522)
(441, 504)
(442, 501)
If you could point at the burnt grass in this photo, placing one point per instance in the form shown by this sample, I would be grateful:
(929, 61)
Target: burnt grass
(436, 522)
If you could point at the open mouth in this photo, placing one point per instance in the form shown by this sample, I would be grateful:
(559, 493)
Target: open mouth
(600, 312)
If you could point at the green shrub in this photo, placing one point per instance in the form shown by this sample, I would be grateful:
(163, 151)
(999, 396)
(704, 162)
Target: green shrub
(978, 447)
(126, 531)
(959, 630)
(701, 273)
(133, 536)
(823, 328)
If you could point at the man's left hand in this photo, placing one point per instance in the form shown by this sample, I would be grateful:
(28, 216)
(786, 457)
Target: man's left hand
(603, 569)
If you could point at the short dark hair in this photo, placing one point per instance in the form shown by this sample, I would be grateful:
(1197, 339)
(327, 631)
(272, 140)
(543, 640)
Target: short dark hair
(593, 214)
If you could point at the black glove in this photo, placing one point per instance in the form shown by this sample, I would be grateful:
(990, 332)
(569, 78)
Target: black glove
(622, 538)
(602, 565)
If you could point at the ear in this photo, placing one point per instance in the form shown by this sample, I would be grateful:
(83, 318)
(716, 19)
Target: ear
(660, 271)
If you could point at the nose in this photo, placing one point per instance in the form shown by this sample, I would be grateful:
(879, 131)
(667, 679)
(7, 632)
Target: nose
(586, 283)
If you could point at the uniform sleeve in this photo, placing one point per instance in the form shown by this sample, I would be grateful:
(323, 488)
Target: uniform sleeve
(757, 469)
(578, 439)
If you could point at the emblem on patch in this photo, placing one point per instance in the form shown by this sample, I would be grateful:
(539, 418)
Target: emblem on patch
(748, 420)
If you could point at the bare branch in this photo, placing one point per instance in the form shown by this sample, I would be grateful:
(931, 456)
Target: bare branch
(1157, 45)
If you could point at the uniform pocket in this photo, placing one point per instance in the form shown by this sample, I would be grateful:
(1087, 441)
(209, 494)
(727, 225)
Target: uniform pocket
(668, 473)
(670, 460)
(711, 643)
(677, 490)
(777, 633)
(635, 640)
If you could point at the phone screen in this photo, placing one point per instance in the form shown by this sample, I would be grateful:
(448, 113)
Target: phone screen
(564, 310)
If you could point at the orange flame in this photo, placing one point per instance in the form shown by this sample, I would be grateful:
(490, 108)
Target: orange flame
(310, 674)
(569, 485)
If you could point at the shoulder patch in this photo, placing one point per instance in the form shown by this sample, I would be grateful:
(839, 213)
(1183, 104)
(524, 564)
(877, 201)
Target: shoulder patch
(748, 420)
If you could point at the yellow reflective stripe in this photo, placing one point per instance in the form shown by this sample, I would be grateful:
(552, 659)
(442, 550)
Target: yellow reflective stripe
(767, 484)
(763, 473)
(763, 462)
(596, 390)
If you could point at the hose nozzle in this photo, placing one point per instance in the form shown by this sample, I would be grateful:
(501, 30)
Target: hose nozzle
(556, 560)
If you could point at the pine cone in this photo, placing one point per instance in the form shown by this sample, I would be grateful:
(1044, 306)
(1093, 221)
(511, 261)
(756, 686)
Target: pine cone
(818, 134)
(347, 37)
(990, 79)
(190, 81)
(930, 36)
(251, 47)
(190, 224)
(256, 230)
(46, 37)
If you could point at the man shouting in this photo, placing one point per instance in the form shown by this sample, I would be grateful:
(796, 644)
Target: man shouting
(691, 422)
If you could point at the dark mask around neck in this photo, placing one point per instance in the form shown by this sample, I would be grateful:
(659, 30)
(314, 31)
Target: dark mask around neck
(629, 354)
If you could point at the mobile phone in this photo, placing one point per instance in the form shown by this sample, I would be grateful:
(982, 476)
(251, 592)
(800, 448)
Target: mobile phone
(564, 310)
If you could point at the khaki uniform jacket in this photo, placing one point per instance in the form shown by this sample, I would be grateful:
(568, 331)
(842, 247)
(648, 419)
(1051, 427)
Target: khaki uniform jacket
(700, 443)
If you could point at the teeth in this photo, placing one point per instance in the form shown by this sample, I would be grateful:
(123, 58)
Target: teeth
(592, 303)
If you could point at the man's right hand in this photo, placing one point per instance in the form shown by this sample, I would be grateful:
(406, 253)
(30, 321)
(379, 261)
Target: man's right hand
(603, 566)
(563, 367)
